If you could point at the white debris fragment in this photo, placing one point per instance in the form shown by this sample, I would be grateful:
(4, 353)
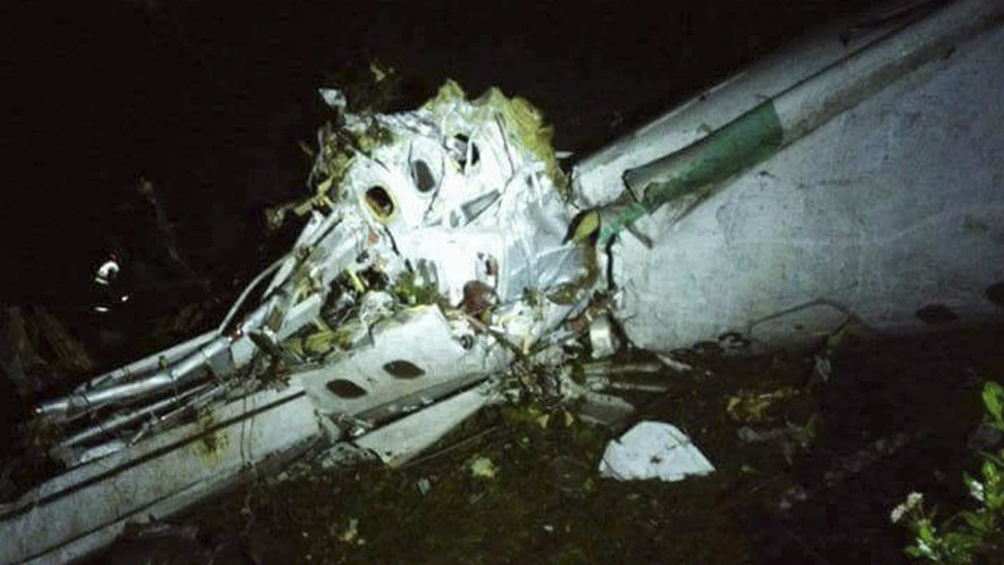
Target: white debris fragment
(822, 368)
(107, 272)
(603, 338)
(483, 468)
(913, 500)
(423, 485)
(351, 533)
(653, 450)
(674, 363)
(333, 98)
(344, 455)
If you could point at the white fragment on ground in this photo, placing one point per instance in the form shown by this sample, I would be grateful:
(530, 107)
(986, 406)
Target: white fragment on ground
(483, 468)
(913, 500)
(351, 533)
(675, 364)
(653, 450)
(333, 98)
(602, 338)
(424, 485)
(822, 368)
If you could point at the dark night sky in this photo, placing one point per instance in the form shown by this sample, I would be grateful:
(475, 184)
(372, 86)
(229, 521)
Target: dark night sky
(208, 98)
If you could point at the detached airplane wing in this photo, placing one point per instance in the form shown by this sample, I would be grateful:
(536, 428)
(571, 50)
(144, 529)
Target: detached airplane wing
(851, 184)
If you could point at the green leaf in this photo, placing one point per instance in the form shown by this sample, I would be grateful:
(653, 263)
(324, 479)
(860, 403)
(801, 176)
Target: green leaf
(993, 457)
(990, 471)
(993, 484)
(914, 551)
(961, 543)
(925, 531)
(995, 501)
(975, 487)
(976, 521)
(993, 399)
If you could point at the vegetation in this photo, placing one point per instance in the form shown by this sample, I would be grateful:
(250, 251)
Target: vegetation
(969, 536)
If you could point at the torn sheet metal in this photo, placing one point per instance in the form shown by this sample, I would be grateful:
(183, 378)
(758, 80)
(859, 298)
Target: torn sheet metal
(88, 506)
(394, 377)
(461, 186)
(748, 240)
(603, 338)
(425, 206)
(598, 178)
(433, 256)
(400, 441)
(790, 115)
(653, 450)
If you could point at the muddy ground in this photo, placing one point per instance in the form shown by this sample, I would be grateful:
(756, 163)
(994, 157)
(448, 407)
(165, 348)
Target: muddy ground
(894, 416)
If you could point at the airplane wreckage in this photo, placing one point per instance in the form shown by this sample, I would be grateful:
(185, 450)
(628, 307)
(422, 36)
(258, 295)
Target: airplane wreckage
(852, 183)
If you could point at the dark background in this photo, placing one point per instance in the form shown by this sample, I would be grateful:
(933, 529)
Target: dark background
(208, 99)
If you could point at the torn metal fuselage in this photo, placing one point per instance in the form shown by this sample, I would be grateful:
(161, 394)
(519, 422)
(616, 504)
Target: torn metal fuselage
(844, 187)
(434, 255)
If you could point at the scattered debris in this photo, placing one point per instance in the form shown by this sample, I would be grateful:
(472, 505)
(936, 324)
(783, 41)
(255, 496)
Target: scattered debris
(791, 438)
(850, 466)
(877, 450)
(570, 475)
(674, 363)
(351, 533)
(603, 337)
(913, 500)
(753, 407)
(344, 455)
(423, 485)
(625, 376)
(822, 368)
(483, 468)
(107, 272)
(653, 450)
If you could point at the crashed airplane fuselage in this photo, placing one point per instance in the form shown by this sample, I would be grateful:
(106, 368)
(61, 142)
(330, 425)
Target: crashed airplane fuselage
(447, 262)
